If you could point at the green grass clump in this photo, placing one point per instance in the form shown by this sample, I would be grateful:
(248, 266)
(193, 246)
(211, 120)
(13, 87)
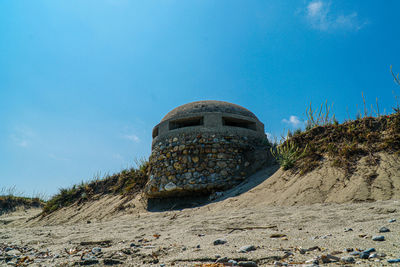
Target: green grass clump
(287, 153)
(128, 182)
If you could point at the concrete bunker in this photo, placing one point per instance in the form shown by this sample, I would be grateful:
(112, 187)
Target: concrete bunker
(205, 146)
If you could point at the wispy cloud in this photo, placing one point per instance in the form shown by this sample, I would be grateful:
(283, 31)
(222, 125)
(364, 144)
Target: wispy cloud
(57, 157)
(293, 121)
(321, 17)
(132, 137)
(22, 137)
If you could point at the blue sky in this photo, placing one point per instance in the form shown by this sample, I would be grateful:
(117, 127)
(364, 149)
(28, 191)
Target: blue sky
(82, 83)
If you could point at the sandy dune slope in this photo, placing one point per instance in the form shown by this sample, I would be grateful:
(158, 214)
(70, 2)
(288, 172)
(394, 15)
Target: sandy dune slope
(287, 218)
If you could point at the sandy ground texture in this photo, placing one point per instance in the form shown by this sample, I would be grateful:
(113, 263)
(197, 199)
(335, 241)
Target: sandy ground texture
(293, 235)
(285, 219)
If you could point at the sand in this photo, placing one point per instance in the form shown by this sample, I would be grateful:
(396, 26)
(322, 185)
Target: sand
(311, 215)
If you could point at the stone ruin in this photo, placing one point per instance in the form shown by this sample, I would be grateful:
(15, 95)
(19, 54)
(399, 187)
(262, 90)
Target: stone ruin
(203, 147)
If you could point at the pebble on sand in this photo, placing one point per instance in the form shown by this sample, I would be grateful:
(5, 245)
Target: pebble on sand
(378, 238)
(369, 250)
(248, 248)
(347, 259)
(219, 241)
(384, 230)
(247, 264)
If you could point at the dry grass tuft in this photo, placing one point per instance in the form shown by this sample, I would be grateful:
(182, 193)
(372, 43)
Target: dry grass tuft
(128, 183)
(344, 144)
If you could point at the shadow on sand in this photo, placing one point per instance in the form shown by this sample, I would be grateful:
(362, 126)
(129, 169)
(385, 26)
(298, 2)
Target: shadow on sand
(179, 203)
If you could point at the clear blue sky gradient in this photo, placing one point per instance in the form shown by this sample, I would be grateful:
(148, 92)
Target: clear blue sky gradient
(82, 83)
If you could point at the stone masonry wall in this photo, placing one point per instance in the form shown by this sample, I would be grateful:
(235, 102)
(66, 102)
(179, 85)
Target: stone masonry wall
(200, 163)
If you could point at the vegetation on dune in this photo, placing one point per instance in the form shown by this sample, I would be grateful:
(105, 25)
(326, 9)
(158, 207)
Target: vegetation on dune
(128, 182)
(343, 144)
(10, 200)
(287, 154)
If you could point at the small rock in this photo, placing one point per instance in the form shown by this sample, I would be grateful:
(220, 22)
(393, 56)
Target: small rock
(222, 260)
(247, 264)
(277, 235)
(89, 257)
(393, 261)
(326, 236)
(392, 220)
(369, 250)
(355, 253)
(248, 248)
(219, 241)
(288, 254)
(162, 265)
(364, 255)
(347, 259)
(126, 251)
(329, 258)
(378, 238)
(89, 262)
(170, 186)
(372, 256)
(384, 230)
(198, 246)
(96, 250)
(233, 262)
(278, 263)
(348, 230)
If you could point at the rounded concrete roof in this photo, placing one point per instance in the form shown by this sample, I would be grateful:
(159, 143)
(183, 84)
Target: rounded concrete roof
(208, 106)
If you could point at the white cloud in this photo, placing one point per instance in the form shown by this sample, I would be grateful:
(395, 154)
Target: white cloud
(314, 8)
(22, 137)
(321, 17)
(132, 137)
(293, 121)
